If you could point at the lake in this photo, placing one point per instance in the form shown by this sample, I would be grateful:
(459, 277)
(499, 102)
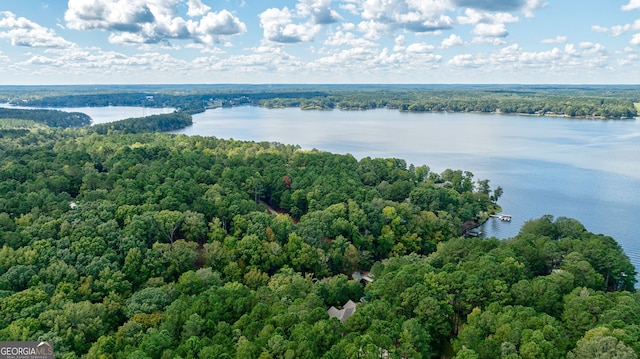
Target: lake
(108, 113)
(584, 169)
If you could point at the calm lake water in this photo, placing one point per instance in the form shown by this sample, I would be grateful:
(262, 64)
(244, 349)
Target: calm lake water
(584, 169)
(109, 113)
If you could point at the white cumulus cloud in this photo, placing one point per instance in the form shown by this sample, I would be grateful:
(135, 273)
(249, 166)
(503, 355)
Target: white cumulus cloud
(400, 42)
(598, 28)
(487, 24)
(221, 23)
(23, 32)
(341, 38)
(197, 8)
(490, 30)
(411, 15)
(632, 5)
(525, 6)
(532, 5)
(569, 60)
(555, 40)
(320, 11)
(466, 60)
(617, 30)
(278, 26)
(420, 47)
(621, 29)
(301, 24)
(373, 29)
(451, 41)
(112, 15)
(151, 21)
(570, 50)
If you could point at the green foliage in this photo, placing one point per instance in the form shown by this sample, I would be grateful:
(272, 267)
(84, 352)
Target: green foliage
(163, 122)
(147, 300)
(566, 236)
(159, 246)
(602, 343)
(51, 118)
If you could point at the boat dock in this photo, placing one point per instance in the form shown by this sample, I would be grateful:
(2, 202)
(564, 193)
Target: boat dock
(502, 217)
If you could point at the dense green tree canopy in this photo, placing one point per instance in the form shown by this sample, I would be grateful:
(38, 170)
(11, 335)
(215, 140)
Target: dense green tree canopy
(149, 245)
(52, 118)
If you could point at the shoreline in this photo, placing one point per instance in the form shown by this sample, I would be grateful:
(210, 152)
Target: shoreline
(320, 108)
(468, 226)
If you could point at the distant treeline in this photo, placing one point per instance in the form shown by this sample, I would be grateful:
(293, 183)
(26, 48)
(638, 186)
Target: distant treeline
(52, 118)
(183, 101)
(468, 101)
(608, 102)
(138, 99)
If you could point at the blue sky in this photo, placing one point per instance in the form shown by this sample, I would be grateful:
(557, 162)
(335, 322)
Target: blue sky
(319, 41)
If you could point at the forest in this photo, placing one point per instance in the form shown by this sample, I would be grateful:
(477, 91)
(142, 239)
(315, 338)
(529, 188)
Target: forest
(162, 123)
(602, 102)
(118, 241)
(52, 118)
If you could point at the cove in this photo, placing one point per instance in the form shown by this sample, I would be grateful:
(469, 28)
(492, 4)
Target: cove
(106, 114)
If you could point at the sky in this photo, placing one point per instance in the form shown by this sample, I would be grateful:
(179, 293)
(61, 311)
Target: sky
(47, 42)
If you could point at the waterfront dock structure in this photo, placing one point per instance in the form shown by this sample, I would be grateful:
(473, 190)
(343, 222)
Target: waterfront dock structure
(502, 217)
